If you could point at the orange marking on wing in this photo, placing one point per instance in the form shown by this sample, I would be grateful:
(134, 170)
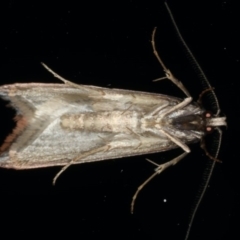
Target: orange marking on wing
(21, 123)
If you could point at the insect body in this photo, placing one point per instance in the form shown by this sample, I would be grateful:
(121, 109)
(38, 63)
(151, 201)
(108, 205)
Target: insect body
(65, 124)
(116, 122)
(97, 124)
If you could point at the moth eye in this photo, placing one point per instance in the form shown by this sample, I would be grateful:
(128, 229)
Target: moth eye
(208, 114)
(209, 129)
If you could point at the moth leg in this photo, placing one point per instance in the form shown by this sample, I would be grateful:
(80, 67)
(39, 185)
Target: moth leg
(160, 168)
(59, 77)
(168, 73)
(177, 141)
(156, 110)
(84, 155)
(104, 148)
(180, 105)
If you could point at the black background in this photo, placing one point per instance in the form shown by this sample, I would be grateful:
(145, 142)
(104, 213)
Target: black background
(108, 44)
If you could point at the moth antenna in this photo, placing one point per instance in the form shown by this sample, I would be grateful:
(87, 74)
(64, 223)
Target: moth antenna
(193, 58)
(205, 186)
(199, 101)
(216, 114)
(203, 146)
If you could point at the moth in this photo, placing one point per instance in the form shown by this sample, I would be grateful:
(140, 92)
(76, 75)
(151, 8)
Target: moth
(65, 124)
